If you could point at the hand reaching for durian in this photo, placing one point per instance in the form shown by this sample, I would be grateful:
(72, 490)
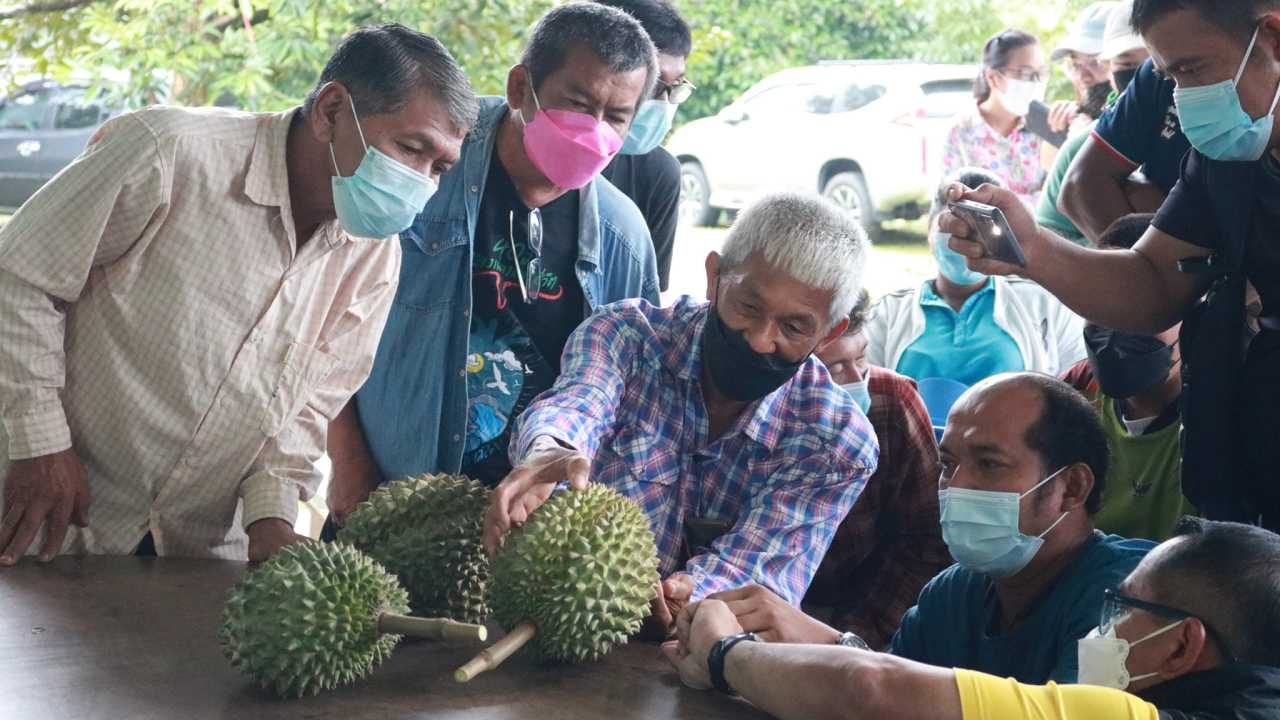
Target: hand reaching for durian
(698, 628)
(268, 536)
(761, 611)
(529, 485)
(670, 597)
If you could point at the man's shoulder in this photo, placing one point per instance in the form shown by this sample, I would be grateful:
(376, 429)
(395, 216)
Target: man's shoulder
(894, 302)
(676, 319)
(210, 123)
(1109, 558)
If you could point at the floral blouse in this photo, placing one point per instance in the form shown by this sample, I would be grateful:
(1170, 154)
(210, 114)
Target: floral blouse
(1015, 159)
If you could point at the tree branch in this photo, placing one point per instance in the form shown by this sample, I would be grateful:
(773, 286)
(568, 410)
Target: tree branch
(39, 8)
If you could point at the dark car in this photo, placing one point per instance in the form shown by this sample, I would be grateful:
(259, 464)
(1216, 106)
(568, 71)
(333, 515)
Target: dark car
(42, 129)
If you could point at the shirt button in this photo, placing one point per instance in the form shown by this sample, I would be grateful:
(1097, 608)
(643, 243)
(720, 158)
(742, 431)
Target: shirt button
(462, 373)
(435, 246)
(255, 337)
(475, 188)
(457, 438)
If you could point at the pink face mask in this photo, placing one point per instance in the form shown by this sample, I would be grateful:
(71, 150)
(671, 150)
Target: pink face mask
(570, 148)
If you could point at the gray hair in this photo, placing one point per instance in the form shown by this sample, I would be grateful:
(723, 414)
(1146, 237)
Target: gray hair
(806, 237)
(611, 34)
(380, 66)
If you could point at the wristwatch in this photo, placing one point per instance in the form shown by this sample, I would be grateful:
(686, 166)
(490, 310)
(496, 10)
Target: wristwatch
(852, 640)
(715, 659)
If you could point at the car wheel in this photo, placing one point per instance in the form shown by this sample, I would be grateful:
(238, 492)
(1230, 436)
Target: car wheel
(849, 191)
(695, 196)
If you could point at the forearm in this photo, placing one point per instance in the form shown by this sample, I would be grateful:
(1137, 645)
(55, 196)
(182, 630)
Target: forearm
(32, 370)
(285, 471)
(347, 448)
(1120, 289)
(815, 682)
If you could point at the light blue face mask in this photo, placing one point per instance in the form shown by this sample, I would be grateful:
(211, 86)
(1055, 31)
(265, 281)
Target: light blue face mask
(652, 123)
(981, 529)
(1216, 124)
(951, 263)
(382, 197)
(861, 394)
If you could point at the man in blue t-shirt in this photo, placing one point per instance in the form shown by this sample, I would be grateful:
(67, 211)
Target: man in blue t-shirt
(1023, 463)
(1139, 132)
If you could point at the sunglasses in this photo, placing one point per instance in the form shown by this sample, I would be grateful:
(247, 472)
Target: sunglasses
(528, 290)
(676, 92)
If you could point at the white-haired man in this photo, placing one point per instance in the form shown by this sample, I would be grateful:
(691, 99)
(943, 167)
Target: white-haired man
(716, 418)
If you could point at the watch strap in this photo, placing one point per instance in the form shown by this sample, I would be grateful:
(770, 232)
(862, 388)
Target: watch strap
(715, 659)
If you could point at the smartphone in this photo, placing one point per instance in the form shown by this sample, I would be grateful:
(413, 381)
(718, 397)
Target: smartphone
(993, 230)
(1038, 123)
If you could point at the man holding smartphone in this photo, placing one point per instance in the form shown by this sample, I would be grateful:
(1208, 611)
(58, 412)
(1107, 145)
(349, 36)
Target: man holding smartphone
(1212, 233)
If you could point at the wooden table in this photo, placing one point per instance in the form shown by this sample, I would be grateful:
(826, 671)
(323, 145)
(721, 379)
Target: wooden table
(123, 637)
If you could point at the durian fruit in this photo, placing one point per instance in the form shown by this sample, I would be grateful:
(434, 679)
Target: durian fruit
(429, 531)
(316, 616)
(575, 580)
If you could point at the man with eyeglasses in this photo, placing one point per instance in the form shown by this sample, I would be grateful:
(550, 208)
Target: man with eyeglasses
(643, 170)
(1080, 56)
(1193, 633)
(521, 243)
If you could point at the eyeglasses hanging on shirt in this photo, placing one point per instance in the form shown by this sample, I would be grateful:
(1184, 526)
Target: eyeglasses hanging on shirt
(528, 290)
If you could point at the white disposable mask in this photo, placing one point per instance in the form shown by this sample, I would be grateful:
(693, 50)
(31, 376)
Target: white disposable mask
(1019, 94)
(1102, 658)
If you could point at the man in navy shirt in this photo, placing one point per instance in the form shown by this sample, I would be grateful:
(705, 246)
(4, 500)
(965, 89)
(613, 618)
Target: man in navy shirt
(1139, 132)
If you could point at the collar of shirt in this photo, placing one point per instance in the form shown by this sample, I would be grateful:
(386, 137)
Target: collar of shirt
(266, 181)
(930, 298)
(760, 420)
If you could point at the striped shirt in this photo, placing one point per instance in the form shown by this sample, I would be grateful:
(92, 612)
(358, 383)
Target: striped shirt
(781, 478)
(157, 316)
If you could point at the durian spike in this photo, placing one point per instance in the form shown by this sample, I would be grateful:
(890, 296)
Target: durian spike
(492, 656)
(430, 628)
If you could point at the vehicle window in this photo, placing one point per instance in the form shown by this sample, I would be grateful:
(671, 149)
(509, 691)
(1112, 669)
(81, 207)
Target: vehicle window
(25, 112)
(946, 98)
(74, 113)
(857, 96)
(789, 100)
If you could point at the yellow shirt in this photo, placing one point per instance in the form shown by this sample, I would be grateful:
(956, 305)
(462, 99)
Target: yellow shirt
(986, 697)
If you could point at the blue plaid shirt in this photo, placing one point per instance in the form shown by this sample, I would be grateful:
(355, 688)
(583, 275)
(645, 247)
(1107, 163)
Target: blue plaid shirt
(783, 477)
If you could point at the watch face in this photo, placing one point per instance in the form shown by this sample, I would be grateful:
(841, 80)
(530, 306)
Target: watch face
(852, 640)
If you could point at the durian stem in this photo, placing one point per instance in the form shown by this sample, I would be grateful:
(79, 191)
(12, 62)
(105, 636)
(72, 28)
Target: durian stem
(492, 656)
(430, 628)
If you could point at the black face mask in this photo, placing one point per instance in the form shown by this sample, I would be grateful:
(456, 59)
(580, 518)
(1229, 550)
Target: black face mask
(738, 371)
(1124, 364)
(1122, 78)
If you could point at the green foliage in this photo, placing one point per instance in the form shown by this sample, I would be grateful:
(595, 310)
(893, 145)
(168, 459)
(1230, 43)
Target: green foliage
(266, 54)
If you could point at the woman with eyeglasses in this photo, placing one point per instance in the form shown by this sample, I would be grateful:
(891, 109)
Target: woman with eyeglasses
(992, 136)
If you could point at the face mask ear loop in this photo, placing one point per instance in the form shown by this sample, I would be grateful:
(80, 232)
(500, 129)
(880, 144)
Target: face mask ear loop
(537, 105)
(352, 101)
(1044, 482)
(1161, 631)
(1245, 62)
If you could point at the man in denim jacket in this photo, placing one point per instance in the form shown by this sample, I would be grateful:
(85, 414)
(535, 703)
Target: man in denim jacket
(492, 281)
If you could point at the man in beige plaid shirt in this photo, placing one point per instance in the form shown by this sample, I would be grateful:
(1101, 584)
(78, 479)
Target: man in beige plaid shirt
(186, 306)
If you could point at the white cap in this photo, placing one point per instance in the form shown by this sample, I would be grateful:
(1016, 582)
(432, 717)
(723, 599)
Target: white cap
(1086, 34)
(1119, 37)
